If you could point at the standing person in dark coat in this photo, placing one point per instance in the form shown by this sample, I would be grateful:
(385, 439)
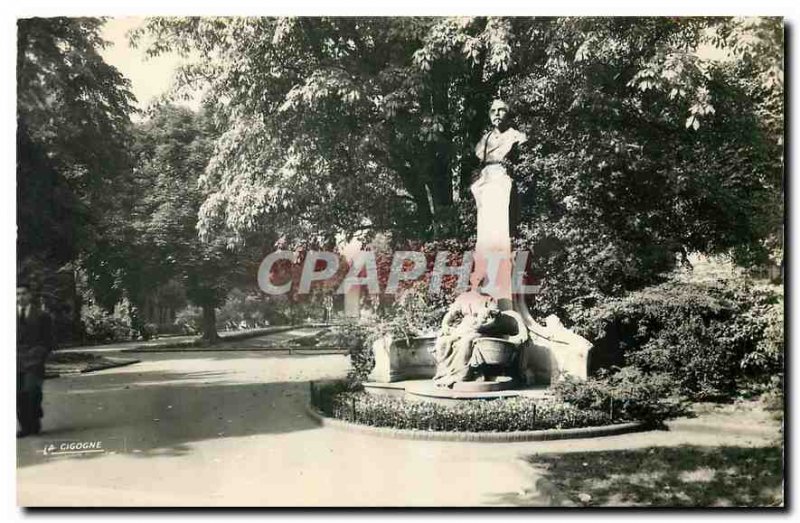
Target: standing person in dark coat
(35, 340)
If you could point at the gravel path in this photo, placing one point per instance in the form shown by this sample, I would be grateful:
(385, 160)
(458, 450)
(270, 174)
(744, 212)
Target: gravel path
(229, 429)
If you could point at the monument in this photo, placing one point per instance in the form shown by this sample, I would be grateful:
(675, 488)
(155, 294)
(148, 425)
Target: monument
(488, 340)
(495, 343)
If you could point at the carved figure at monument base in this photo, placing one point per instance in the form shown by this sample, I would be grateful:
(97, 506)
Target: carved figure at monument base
(477, 341)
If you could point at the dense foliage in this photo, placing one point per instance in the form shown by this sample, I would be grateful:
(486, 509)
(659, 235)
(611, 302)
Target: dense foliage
(357, 338)
(107, 211)
(350, 126)
(101, 326)
(627, 393)
(172, 149)
(714, 338)
(646, 149)
(249, 310)
(72, 155)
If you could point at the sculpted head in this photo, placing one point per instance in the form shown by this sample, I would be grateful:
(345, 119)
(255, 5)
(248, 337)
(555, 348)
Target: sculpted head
(498, 113)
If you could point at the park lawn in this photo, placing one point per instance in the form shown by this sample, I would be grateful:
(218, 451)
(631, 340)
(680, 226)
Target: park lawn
(61, 363)
(674, 476)
(682, 476)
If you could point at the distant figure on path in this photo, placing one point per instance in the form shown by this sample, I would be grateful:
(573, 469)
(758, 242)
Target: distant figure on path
(35, 340)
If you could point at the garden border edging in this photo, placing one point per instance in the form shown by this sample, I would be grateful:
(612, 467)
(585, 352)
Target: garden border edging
(484, 437)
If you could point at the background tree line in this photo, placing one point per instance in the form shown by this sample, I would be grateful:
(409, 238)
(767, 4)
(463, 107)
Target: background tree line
(107, 208)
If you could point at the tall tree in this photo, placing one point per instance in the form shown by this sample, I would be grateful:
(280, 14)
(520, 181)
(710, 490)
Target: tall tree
(172, 150)
(322, 112)
(72, 135)
(645, 147)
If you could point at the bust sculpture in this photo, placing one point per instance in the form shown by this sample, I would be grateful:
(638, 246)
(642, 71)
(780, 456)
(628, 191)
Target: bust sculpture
(493, 191)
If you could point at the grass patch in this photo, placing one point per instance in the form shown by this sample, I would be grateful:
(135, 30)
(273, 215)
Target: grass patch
(684, 476)
(59, 363)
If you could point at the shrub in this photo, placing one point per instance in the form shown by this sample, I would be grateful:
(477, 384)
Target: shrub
(101, 326)
(502, 415)
(149, 330)
(190, 319)
(714, 338)
(416, 312)
(356, 337)
(627, 393)
(251, 309)
(767, 358)
(350, 334)
(772, 397)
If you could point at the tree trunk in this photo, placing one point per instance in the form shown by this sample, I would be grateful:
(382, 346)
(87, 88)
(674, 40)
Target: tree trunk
(414, 183)
(210, 324)
(441, 183)
(479, 101)
(78, 331)
(441, 186)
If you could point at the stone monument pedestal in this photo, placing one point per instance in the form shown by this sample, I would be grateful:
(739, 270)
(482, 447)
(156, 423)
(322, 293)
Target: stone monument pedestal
(550, 352)
(400, 359)
(498, 383)
(554, 351)
(487, 332)
(426, 390)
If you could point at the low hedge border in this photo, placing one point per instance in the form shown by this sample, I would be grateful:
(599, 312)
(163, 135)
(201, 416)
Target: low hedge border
(535, 419)
(477, 437)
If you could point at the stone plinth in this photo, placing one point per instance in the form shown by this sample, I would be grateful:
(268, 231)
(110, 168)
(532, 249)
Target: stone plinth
(425, 390)
(498, 383)
(397, 359)
(550, 352)
(554, 351)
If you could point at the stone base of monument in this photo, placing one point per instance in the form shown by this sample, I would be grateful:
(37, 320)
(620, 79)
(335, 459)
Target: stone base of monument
(551, 352)
(426, 390)
(400, 359)
(395, 389)
(498, 383)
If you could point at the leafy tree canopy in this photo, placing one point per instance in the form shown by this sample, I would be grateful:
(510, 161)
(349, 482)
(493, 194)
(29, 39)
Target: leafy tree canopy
(641, 145)
(72, 147)
(172, 150)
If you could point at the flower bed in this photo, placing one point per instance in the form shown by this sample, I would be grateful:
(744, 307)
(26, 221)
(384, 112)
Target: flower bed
(625, 395)
(501, 415)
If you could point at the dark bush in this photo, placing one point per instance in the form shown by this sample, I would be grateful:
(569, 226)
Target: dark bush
(626, 393)
(149, 331)
(714, 338)
(772, 396)
(243, 309)
(101, 326)
(189, 320)
(356, 337)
